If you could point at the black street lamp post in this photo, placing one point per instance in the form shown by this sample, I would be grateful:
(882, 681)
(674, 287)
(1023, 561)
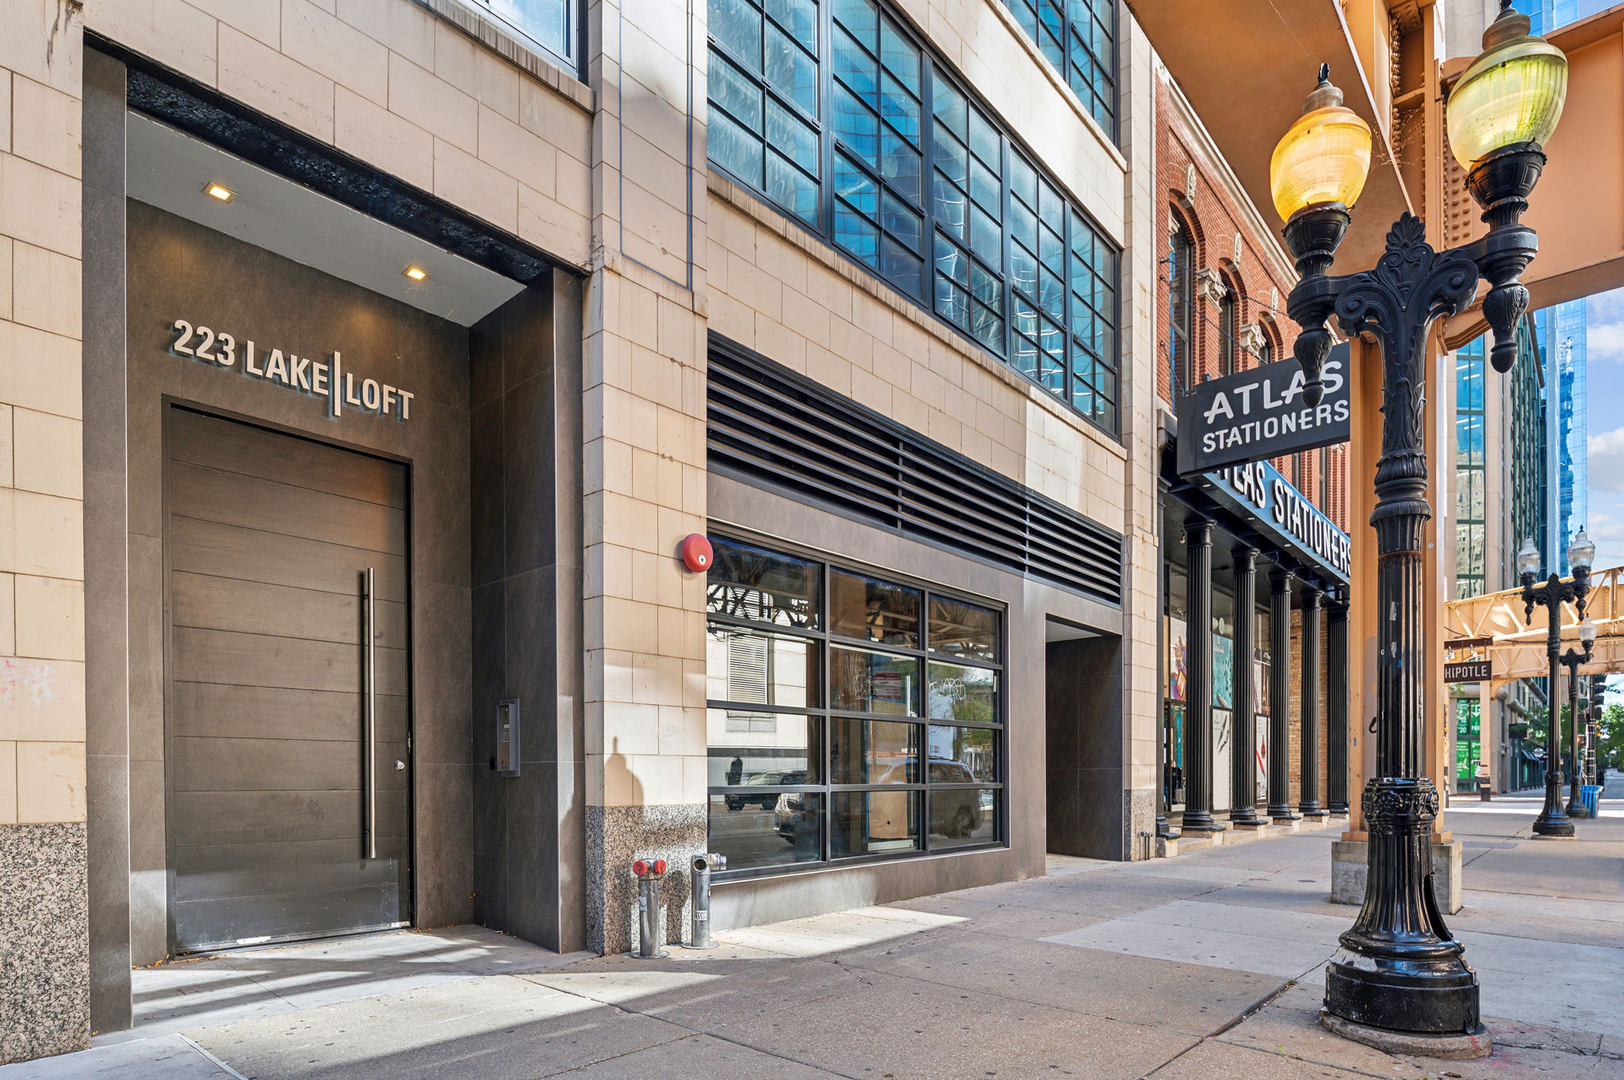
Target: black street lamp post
(1554, 820)
(1399, 973)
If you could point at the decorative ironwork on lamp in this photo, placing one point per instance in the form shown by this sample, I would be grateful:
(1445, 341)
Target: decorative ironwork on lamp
(1399, 971)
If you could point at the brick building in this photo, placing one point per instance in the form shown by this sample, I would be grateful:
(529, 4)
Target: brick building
(1221, 282)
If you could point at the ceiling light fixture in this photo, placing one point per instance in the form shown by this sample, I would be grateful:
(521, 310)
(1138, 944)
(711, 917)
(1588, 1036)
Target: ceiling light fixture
(416, 273)
(221, 192)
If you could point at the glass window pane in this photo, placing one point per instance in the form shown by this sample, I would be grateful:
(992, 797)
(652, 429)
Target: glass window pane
(737, 24)
(799, 18)
(791, 188)
(792, 138)
(864, 681)
(791, 70)
(965, 694)
(752, 837)
(873, 752)
(873, 822)
(734, 148)
(962, 817)
(763, 749)
(963, 755)
(899, 57)
(754, 667)
(879, 611)
(748, 582)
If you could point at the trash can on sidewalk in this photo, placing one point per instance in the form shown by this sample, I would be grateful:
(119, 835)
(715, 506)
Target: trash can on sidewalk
(1587, 795)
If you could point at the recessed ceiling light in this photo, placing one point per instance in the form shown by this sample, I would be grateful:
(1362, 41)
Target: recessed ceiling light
(221, 192)
(416, 273)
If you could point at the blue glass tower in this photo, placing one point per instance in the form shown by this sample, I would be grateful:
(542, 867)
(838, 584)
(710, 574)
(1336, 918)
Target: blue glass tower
(1561, 331)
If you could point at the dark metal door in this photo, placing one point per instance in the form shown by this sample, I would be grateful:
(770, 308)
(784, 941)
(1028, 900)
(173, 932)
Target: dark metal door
(287, 708)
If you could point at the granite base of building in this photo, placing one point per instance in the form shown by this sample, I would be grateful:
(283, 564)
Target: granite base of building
(44, 941)
(1348, 865)
(616, 837)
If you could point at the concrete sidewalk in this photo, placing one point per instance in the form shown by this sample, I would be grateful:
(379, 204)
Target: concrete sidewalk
(1204, 967)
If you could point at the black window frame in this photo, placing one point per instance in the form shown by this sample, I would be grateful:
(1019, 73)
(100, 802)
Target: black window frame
(1090, 326)
(826, 640)
(1181, 305)
(1229, 349)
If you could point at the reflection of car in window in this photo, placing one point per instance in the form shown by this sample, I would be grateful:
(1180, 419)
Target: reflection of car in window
(954, 812)
(767, 800)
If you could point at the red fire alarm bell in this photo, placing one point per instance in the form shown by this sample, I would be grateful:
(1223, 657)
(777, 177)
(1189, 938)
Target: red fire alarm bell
(697, 553)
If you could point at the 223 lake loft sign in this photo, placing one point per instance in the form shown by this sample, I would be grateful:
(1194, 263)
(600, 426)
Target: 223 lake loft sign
(1259, 414)
(319, 378)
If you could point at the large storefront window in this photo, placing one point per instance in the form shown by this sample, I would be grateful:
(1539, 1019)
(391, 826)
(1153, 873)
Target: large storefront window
(850, 716)
(868, 141)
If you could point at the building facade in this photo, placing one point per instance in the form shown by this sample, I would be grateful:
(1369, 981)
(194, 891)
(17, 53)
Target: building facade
(378, 376)
(1247, 739)
(1500, 499)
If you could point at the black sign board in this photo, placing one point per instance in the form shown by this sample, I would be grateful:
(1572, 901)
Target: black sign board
(1468, 671)
(1260, 414)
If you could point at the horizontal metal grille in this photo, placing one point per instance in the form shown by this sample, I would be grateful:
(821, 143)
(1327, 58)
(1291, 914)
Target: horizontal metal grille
(772, 427)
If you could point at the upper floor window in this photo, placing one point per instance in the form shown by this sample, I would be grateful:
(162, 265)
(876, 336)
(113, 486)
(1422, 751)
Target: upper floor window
(1079, 38)
(1228, 328)
(1181, 306)
(548, 23)
(833, 111)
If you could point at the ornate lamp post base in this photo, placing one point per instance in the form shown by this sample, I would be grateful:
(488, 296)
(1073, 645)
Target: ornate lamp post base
(1477, 1045)
(1399, 973)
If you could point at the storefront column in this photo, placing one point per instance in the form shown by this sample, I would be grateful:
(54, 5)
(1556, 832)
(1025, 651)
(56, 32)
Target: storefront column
(1336, 710)
(1279, 746)
(1243, 757)
(1198, 710)
(1308, 748)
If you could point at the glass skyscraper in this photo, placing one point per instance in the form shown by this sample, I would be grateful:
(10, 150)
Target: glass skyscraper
(1561, 332)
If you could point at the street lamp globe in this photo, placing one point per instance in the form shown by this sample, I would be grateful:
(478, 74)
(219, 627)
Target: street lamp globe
(1582, 552)
(1510, 96)
(1324, 157)
(1587, 633)
(1528, 561)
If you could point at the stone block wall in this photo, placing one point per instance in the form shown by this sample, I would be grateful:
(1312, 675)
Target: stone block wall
(44, 952)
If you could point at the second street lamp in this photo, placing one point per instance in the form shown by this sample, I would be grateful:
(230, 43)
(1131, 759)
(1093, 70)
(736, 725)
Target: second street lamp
(1553, 821)
(1572, 661)
(1399, 973)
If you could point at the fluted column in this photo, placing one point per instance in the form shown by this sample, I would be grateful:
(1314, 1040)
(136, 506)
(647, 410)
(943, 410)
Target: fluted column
(1308, 750)
(1279, 696)
(1336, 710)
(1198, 692)
(1243, 757)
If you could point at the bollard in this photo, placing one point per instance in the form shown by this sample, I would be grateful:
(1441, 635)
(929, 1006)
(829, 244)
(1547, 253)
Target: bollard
(703, 865)
(648, 909)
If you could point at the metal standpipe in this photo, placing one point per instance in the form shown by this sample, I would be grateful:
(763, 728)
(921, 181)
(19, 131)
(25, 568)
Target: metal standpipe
(703, 865)
(649, 924)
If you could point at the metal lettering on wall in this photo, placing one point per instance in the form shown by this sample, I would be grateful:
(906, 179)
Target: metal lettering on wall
(1256, 414)
(323, 379)
(1282, 511)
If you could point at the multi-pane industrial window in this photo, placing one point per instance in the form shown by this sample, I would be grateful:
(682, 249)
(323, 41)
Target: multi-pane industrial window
(864, 718)
(1471, 513)
(833, 111)
(1079, 38)
(1181, 307)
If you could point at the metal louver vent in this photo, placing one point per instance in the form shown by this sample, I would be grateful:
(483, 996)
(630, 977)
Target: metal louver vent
(774, 428)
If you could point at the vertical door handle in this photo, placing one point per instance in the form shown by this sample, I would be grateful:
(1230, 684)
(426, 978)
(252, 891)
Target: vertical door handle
(369, 707)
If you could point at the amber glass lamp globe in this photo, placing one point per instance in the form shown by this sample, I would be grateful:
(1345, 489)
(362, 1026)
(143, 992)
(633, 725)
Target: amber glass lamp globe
(1323, 158)
(1511, 94)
